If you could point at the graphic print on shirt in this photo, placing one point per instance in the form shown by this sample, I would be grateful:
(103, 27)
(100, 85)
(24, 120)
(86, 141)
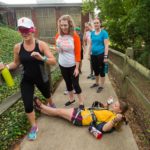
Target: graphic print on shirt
(65, 46)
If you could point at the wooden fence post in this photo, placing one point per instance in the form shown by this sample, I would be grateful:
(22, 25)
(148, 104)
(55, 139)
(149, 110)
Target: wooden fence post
(124, 87)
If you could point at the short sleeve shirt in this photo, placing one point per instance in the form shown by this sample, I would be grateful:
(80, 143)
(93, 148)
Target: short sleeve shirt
(97, 40)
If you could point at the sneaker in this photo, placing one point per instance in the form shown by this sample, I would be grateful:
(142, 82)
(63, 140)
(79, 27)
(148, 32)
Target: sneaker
(94, 85)
(99, 89)
(69, 103)
(65, 92)
(33, 133)
(82, 107)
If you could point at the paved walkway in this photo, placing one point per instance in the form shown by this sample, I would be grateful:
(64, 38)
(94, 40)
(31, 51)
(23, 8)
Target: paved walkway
(58, 134)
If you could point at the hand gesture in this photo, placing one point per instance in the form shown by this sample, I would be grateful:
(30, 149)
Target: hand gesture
(105, 60)
(37, 55)
(76, 72)
(118, 117)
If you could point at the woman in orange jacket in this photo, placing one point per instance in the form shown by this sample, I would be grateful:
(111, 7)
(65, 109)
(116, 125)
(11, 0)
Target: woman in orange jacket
(69, 48)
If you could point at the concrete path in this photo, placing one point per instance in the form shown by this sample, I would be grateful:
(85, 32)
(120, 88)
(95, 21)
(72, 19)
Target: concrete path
(59, 134)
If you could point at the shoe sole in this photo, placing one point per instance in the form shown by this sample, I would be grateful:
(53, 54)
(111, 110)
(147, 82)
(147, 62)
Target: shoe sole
(70, 103)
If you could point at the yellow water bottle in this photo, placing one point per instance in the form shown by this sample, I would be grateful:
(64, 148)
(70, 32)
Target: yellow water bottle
(7, 77)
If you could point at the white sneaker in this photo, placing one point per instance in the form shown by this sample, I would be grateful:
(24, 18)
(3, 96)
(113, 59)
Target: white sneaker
(65, 92)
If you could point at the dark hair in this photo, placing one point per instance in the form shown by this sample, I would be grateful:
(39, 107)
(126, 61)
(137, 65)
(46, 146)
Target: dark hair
(123, 106)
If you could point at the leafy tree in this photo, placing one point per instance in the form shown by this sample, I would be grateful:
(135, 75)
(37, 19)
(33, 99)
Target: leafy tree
(127, 22)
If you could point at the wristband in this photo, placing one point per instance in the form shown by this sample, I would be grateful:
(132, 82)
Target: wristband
(45, 59)
(105, 56)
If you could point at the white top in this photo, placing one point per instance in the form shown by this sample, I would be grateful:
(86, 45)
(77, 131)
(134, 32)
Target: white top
(65, 47)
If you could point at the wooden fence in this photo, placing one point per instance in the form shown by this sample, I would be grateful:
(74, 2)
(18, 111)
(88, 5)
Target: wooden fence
(125, 69)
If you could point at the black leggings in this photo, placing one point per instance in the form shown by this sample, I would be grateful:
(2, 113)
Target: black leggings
(27, 91)
(98, 64)
(71, 81)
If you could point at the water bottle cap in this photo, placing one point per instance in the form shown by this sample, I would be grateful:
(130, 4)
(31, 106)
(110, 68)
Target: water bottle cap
(110, 100)
(99, 136)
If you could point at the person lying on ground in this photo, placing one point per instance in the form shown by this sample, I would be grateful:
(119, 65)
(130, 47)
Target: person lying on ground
(106, 120)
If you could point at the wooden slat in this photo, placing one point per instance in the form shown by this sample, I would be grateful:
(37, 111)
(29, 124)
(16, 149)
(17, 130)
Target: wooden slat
(117, 53)
(115, 67)
(140, 96)
(140, 68)
(8, 102)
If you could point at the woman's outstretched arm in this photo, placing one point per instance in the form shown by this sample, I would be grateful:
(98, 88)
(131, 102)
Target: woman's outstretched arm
(109, 125)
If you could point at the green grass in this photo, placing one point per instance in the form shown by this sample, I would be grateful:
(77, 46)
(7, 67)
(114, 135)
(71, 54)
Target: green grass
(8, 38)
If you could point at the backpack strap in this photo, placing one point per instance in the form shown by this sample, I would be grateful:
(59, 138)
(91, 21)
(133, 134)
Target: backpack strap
(94, 119)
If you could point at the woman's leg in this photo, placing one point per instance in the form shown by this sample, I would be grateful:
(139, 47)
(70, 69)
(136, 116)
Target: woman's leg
(27, 90)
(75, 81)
(101, 70)
(44, 88)
(58, 112)
(67, 78)
(95, 66)
(80, 97)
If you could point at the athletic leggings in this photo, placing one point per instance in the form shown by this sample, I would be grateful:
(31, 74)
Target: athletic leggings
(71, 81)
(27, 91)
(98, 64)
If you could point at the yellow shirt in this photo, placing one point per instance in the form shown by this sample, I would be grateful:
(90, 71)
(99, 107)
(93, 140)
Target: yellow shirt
(101, 115)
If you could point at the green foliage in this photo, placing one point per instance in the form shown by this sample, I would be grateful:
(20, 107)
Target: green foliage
(8, 38)
(127, 22)
(13, 123)
(88, 6)
(6, 91)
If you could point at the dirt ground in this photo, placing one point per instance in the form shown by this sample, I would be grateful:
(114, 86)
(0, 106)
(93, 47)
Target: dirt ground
(143, 141)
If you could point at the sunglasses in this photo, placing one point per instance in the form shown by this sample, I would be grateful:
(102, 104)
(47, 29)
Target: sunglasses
(25, 30)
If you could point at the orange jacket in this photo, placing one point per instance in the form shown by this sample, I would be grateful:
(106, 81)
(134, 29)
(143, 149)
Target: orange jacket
(77, 46)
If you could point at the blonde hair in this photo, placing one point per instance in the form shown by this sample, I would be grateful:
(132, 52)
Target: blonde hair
(70, 22)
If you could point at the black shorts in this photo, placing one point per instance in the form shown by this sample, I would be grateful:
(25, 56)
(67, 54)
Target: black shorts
(76, 117)
(100, 128)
